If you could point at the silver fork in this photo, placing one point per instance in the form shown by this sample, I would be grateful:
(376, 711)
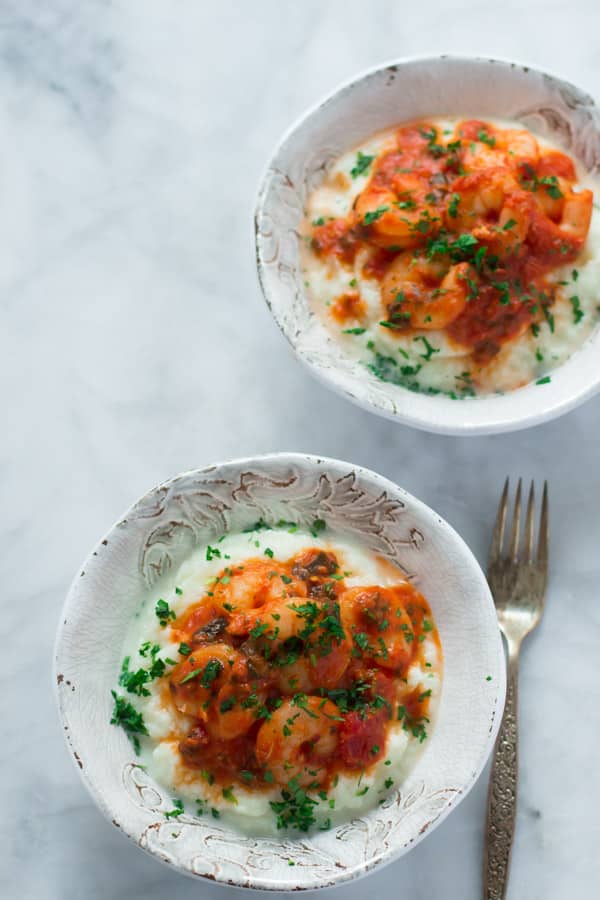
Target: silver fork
(517, 580)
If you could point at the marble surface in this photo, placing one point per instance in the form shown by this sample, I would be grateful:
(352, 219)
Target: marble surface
(135, 344)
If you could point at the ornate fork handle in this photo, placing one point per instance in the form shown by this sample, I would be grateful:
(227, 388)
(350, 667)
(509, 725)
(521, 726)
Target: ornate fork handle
(502, 797)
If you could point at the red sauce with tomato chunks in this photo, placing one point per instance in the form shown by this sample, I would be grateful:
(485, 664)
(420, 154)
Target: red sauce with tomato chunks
(348, 306)
(462, 228)
(336, 238)
(290, 677)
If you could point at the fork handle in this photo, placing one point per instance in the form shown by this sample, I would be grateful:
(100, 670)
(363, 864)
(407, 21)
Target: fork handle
(502, 796)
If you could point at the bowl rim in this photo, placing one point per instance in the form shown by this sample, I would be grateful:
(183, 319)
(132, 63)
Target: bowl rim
(421, 420)
(364, 866)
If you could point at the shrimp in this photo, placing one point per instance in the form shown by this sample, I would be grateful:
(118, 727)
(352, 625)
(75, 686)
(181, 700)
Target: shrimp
(196, 681)
(422, 293)
(577, 214)
(302, 639)
(493, 208)
(274, 622)
(489, 146)
(254, 584)
(550, 196)
(376, 618)
(397, 214)
(217, 685)
(520, 147)
(299, 739)
(565, 237)
(235, 709)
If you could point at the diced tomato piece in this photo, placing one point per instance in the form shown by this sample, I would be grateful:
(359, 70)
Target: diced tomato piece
(362, 740)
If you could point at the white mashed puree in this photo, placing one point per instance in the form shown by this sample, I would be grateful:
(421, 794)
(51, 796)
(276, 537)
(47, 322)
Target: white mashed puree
(252, 812)
(527, 358)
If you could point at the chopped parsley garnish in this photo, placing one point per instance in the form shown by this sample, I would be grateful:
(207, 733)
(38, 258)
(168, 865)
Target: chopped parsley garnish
(375, 214)
(361, 165)
(453, 206)
(429, 350)
(229, 795)
(227, 704)
(460, 250)
(317, 527)
(260, 525)
(549, 318)
(301, 700)
(163, 612)
(353, 330)
(259, 630)
(295, 809)
(176, 811)
(127, 716)
(545, 380)
(503, 288)
(185, 649)
(362, 640)
(211, 671)
(550, 182)
(212, 553)
(486, 138)
(531, 182)
(578, 313)
(317, 222)
(134, 681)
(416, 726)
(291, 527)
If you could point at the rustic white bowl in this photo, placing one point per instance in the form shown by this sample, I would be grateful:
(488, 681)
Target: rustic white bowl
(154, 537)
(379, 99)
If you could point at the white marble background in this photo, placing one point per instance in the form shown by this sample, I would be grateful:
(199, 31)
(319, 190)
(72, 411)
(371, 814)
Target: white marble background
(135, 344)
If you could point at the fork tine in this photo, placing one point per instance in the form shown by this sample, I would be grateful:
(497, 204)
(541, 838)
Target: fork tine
(498, 533)
(529, 525)
(544, 535)
(515, 530)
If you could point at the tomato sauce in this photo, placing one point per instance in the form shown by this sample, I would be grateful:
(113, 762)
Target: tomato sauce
(484, 196)
(348, 306)
(288, 674)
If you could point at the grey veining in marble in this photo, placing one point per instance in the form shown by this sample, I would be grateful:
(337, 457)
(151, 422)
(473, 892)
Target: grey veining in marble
(135, 344)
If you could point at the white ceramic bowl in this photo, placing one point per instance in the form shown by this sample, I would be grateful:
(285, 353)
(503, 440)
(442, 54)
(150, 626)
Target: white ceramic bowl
(379, 99)
(154, 536)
